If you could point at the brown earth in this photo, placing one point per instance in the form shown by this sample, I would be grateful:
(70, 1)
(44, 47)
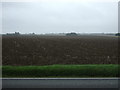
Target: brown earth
(47, 50)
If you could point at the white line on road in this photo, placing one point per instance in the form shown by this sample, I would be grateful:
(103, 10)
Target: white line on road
(60, 78)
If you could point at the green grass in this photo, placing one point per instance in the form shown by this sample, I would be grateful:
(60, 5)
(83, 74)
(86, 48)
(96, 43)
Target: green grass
(92, 70)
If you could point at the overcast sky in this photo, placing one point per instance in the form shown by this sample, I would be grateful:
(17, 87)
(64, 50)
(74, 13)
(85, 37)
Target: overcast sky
(54, 17)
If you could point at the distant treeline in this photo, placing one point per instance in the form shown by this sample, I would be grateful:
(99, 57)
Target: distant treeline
(118, 34)
(65, 34)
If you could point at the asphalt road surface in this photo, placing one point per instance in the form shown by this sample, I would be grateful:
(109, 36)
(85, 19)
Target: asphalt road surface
(60, 83)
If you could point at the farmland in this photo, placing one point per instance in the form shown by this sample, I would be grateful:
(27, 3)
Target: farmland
(23, 50)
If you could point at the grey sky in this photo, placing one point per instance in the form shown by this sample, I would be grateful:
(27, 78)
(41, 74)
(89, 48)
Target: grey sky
(53, 17)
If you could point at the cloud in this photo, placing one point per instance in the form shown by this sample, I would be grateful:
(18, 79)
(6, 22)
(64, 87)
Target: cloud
(45, 17)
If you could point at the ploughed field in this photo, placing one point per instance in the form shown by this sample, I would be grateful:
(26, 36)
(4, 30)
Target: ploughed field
(49, 50)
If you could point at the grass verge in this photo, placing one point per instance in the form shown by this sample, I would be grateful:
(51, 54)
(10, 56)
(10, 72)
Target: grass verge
(62, 71)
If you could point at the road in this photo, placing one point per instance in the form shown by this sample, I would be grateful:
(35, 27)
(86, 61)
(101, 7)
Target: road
(60, 82)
